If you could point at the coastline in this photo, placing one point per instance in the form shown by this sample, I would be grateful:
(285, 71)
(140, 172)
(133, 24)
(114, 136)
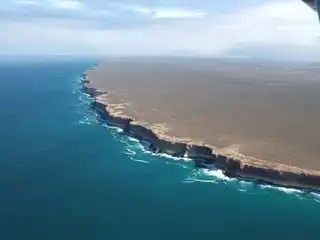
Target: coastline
(233, 165)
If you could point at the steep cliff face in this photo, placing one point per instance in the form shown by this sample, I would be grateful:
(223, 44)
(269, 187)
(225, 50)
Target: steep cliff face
(120, 122)
(160, 145)
(275, 176)
(221, 161)
(92, 92)
(195, 151)
(123, 123)
(142, 133)
(84, 79)
(172, 148)
(100, 108)
(309, 180)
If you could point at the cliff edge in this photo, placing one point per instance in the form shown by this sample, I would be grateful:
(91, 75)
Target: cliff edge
(232, 164)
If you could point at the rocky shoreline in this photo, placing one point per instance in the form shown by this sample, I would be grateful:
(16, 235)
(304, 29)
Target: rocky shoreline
(232, 166)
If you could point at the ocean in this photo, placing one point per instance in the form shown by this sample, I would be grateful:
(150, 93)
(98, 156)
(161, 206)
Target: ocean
(66, 175)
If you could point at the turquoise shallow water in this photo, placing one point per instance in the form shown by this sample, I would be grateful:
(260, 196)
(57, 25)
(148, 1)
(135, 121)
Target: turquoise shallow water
(64, 175)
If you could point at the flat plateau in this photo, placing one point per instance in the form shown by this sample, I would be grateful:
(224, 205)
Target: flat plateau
(253, 120)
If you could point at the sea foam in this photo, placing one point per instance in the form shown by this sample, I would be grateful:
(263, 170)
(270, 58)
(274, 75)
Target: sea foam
(282, 189)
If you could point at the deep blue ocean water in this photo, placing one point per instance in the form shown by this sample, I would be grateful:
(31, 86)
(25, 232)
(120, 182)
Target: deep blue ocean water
(64, 175)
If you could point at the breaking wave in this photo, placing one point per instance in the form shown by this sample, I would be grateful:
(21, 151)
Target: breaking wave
(282, 189)
(167, 156)
(315, 196)
(139, 160)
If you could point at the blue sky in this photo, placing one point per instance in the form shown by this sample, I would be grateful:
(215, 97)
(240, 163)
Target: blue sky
(239, 28)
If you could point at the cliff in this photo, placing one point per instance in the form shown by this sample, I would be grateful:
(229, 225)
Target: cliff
(232, 165)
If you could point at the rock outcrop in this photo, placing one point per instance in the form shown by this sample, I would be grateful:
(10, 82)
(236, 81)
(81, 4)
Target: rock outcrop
(202, 152)
(116, 121)
(172, 148)
(278, 177)
(141, 133)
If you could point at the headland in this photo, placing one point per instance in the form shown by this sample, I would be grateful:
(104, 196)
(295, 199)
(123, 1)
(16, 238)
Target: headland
(256, 121)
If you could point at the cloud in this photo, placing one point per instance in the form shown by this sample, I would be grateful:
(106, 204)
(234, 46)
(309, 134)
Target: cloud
(66, 4)
(173, 13)
(276, 28)
(27, 3)
(161, 13)
(178, 13)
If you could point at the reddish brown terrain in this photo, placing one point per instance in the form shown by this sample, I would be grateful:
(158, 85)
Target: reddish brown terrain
(265, 114)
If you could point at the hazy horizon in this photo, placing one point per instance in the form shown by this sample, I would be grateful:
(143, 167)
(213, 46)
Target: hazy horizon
(270, 29)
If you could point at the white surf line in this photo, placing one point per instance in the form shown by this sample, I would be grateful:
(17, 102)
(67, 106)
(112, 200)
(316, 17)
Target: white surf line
(139, 160)
(245, 186)
(193, 177)
(84, 122)
(133, 139)
(168, 156)
(282, 189)
(129, 152)
(217, 173)
(86, 119)
(177, 164)
(315, 196)
(113, 128)
(195, 180)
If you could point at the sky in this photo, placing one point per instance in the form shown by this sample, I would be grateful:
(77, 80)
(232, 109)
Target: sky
(236, 28)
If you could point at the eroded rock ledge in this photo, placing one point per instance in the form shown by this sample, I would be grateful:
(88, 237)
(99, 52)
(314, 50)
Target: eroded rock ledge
(232, 166)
